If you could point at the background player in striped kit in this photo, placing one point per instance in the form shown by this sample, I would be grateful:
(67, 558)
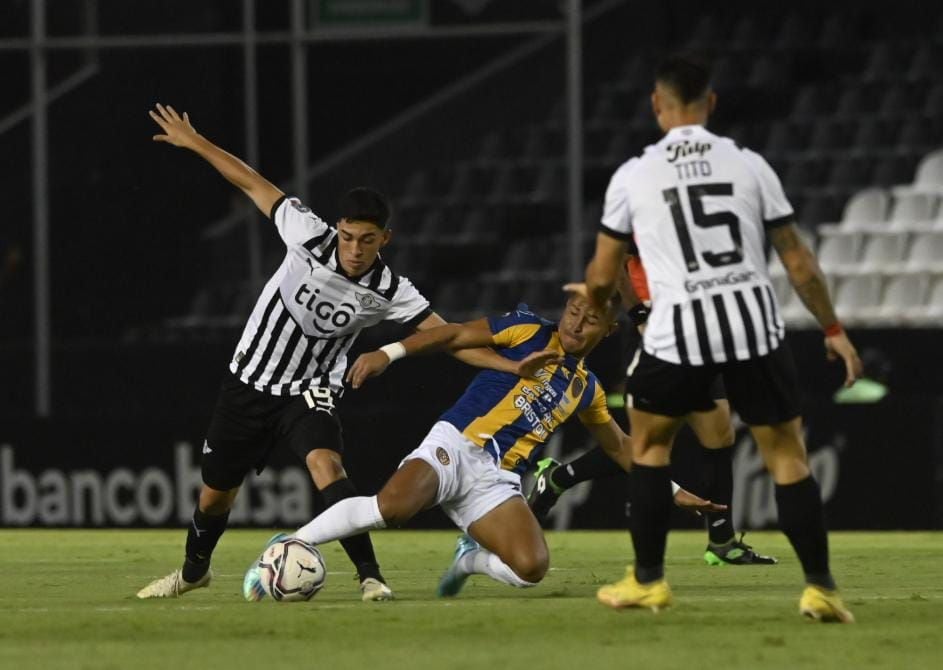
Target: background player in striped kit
(713, 428)
(287, 371)
(699, 208)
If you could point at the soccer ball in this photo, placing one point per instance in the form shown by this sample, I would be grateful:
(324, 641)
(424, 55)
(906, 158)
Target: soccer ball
(292, 570)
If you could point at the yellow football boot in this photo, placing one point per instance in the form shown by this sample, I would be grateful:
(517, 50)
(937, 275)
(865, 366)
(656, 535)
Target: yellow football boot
(824, 605)
(627, 592)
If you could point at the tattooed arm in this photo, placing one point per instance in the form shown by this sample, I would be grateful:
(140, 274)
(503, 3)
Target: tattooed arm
(807, 279)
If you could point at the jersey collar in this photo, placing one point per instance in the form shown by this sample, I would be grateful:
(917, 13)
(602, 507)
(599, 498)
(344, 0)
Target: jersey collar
(684, 131)
(339, 269)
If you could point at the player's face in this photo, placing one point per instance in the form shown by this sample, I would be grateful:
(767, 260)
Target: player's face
(358, 243)
(582, 327)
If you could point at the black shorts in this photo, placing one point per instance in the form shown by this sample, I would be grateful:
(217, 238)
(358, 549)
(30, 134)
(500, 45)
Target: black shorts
(633, 342)
(763, 391)
(247, 424)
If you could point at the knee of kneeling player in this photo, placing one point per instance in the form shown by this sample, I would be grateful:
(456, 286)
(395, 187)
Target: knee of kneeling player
(532, 567)
(393, 511)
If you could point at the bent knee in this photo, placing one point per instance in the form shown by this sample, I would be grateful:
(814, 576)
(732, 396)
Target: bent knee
(325, 467)
(719, 438)
(395, 512)
(532, 567)
(215, 502)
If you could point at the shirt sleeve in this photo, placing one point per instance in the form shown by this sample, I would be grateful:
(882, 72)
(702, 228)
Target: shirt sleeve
(296, 223)
(408, 306)
(777, 210)
(593, 406)
(514, 328)
(616, 213)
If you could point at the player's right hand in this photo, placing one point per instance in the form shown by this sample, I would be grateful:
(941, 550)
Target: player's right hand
(839, 346)
(177, 130)
(367, 365)
(529, 366)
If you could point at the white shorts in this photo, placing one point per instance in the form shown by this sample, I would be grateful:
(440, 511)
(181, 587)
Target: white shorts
(471, 484)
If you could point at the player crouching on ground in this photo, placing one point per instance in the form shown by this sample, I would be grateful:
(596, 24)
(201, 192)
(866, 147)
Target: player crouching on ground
(471, 461)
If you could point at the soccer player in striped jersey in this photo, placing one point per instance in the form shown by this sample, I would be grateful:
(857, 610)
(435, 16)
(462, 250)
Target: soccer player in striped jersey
(286, 375)
(700, 208)
(471, 461)
(713, 428)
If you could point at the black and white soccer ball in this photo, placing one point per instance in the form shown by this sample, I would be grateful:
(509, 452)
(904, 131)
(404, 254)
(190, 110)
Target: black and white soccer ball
(292, 570)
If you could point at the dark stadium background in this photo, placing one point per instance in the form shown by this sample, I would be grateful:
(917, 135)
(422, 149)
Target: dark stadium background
(149, 266)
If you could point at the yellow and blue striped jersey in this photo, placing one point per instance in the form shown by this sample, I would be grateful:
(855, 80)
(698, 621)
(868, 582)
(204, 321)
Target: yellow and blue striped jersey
(511, 417)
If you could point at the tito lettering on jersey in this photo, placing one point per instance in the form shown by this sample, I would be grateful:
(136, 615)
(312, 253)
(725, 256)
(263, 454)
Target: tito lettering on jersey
(697, 206)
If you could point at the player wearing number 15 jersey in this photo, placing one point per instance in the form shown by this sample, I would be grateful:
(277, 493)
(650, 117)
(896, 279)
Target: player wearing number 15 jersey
(287, 372)
(700, 208)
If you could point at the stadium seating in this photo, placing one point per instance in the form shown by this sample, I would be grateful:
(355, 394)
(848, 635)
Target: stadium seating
(848, 115)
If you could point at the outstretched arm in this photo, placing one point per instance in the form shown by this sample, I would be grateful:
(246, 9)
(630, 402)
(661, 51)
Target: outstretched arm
(179, 132)
(807, 279)
(473, 337)
(462, 345)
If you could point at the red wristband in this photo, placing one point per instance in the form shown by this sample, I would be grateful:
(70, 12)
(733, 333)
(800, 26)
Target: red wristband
(834, 329)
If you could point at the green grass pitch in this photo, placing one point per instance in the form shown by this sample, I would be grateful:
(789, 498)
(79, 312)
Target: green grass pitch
(68, 602)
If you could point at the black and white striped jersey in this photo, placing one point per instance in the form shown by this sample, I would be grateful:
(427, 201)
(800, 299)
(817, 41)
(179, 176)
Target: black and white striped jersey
(697, 206)
(310, 311)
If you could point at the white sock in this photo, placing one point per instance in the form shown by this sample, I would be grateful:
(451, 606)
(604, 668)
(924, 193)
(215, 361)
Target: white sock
(350, 516)
(483, 562)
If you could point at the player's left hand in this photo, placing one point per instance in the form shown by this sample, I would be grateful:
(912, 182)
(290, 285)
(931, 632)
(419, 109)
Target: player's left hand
(840, 347)
(367, 365)
(531, 365)
(692, 503)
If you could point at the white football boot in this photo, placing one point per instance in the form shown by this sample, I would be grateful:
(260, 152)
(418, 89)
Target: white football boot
(373, 590)
(173, 585)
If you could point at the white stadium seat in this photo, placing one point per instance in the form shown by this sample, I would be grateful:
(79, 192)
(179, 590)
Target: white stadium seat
(883, 251)
(866, 207)
(930, 172)
(931, 314)
(926, 252)
(904, 297)
(912, 210)
(839, 251)
(858, 297)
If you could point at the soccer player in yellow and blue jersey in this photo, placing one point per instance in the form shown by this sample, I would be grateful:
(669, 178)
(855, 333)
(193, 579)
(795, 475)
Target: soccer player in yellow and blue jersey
(471, 460)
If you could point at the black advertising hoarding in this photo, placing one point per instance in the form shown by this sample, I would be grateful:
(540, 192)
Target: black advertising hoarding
(91, 475)
(875, 463)
(878, 467)
(129, 455)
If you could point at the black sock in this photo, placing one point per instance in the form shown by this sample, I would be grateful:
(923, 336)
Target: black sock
(802, 519)
(594, 464)
(202, 536)
(718, 488)
(359, 548)
(650, 495)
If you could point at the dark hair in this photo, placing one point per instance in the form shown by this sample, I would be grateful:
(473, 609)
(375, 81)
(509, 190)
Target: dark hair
(365, 204)
(687, 75)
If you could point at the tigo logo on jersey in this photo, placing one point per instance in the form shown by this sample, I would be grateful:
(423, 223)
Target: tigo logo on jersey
(326, 312)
